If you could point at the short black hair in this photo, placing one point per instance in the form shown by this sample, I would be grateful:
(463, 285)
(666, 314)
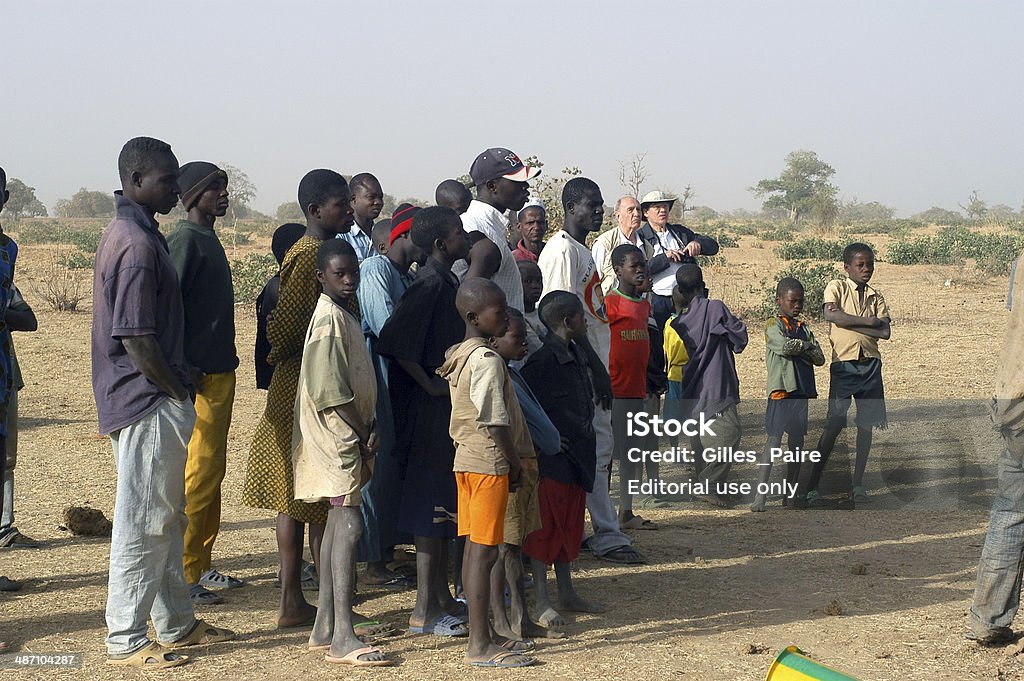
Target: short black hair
(787, 284)
(513, 313)
(575, 188)
(380, 233)
(689, 278)
(3, 178)
(317, 186)
(451, 193)
(331, 248)
(431, 224)
(474, 293)
(622, 251)
(284, 238)
(853, 249)
(556, 306)
(531, 206)
(364, 180)
(138, 155)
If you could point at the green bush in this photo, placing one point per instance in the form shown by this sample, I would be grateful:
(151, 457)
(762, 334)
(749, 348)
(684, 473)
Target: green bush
(54, 232)
(814, 276)
(250, 274)
(992, 253)
(812, 248)
(76, 260)
(724, 239)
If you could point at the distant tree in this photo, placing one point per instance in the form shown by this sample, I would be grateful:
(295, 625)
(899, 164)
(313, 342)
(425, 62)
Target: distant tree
(939, 216)
(23, 201)
(855, 211)
(803, 185)
(682, 205)
(976, 207)
(1001, 213)
(633, 174)
(825, 208)
(86, 204)
(704, 213)
(289, 211)
(548, 190)
(242, 192)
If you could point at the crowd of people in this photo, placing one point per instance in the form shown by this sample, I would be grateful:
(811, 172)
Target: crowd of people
(430, 381)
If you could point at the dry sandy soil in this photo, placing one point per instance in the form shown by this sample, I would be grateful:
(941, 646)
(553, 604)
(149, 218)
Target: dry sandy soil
(724, 591)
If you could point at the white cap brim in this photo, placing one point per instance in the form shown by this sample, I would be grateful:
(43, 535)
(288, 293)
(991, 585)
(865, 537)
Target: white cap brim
(524, 174)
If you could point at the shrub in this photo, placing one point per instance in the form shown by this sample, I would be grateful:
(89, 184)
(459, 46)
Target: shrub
(812, 248)
(814, 277)
(54, 232)
(777, 234)
(724, 239)
(250, 274)
(76, 260)
(992, 253)
(61, 287)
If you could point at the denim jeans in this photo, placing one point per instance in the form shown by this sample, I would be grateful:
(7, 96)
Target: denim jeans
(997, 593)
(147, 545)
(7, 517)
(605, 521)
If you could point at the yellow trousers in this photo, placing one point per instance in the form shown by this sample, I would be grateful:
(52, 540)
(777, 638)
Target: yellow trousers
(204, 471)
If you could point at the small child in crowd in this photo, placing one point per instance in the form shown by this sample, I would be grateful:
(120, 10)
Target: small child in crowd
(533, 286)
(791, 353)
(334, 443)
(628, 312)
(713, 336)
(858, 317)
(560, 378)
(490, 436)
(522, 516)
(284, 238)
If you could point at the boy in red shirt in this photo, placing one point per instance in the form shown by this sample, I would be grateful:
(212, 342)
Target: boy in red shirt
(628, 312)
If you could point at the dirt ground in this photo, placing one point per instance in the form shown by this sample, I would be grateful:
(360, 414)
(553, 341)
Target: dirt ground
(724, 590)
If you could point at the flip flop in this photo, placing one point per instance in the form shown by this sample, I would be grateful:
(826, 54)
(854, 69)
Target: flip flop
(624, 555)
(200, 595)
(517, 646)
(7, 584)
(505, 660)
(373, 629)
(14, 539)
(353, 658)
(396, 582)
(445, 626)
(153, 656)
(202, 634)
(638, 523)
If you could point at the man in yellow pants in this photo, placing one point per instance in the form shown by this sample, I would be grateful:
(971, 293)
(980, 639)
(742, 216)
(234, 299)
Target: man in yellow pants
(208, 299)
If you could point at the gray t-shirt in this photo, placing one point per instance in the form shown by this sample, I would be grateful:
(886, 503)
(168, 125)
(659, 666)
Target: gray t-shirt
(135, 293)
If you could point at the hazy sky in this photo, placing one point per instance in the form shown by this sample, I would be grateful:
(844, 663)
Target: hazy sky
(914, 103)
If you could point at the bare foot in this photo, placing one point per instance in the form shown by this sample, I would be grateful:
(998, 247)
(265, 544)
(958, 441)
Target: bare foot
(758, 505)
(551, 618)
(303, 615)
(576, 604)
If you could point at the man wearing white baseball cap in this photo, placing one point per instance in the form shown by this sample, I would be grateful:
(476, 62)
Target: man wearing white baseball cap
(672, 246)
(501, 181)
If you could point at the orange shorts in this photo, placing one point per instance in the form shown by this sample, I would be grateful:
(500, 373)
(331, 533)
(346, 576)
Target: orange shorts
(482, 502)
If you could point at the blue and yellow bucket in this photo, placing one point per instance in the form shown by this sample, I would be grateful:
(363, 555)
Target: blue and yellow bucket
(792, 665)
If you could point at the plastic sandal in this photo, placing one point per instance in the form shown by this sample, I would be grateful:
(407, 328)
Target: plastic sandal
(217, 580)
(153, 656)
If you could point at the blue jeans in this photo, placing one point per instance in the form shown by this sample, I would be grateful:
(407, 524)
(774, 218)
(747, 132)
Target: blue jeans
(147, 544)
(997, 593)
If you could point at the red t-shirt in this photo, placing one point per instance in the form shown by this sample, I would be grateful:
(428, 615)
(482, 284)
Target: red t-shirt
(631, 345)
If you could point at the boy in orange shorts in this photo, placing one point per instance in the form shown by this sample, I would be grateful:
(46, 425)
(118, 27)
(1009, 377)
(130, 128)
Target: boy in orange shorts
(489, 431)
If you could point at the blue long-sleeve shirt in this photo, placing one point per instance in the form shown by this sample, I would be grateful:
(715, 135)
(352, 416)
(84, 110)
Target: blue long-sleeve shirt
(543, 432)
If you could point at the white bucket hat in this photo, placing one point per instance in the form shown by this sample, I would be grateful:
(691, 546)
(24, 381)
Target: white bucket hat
(656, 196)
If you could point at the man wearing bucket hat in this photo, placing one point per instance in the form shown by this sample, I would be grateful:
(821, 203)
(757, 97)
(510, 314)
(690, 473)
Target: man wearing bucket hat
(501, 185)
(671, 245)
(209, 301)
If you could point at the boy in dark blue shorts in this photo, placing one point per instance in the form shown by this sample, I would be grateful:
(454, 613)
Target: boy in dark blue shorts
(791, 353)
(858, 317)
